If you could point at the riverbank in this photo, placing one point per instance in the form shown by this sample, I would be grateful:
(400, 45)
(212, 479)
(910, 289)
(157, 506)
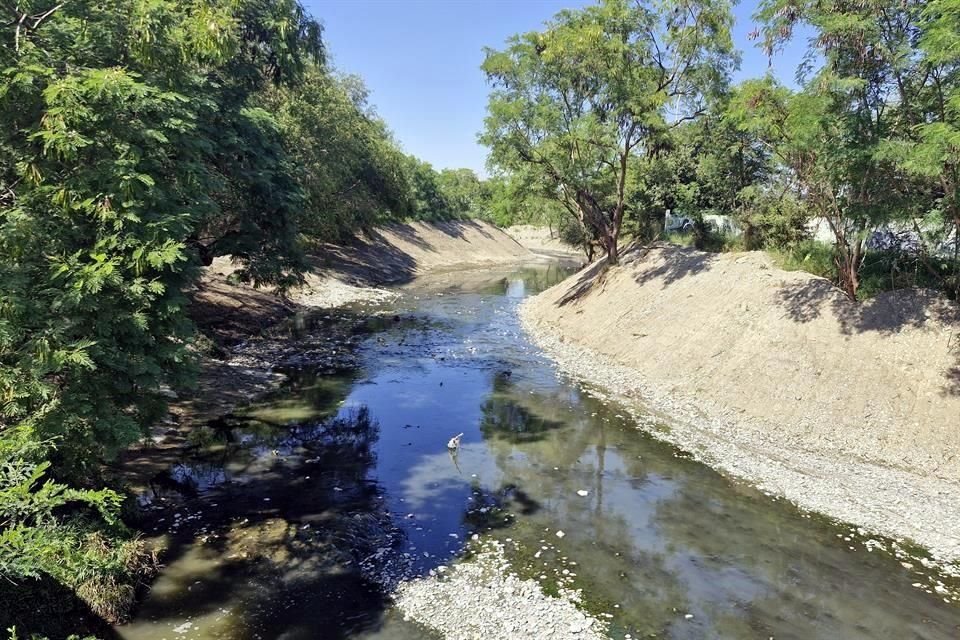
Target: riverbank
(544, 241)
(776, 378)
(243, 341)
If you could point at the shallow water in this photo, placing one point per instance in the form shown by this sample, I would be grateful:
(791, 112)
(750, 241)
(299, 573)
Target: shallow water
(294, 508)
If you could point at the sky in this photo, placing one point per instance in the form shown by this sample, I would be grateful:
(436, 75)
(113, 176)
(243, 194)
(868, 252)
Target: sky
(421, 61)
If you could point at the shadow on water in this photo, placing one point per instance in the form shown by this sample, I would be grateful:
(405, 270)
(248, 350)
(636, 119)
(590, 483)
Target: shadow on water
(274, 548)
(305, 510)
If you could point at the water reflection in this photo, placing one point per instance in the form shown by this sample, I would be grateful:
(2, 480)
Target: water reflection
(307, 508)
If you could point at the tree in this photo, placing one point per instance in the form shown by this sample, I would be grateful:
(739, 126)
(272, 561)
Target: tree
(577, 102)
(465, 193)
(343, 156)
(858, 136)
(132, 151)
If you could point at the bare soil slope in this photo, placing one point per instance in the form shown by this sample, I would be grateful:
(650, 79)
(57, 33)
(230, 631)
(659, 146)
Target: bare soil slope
(542, 240)
(850, 409)
(396, 253)
(341, 274)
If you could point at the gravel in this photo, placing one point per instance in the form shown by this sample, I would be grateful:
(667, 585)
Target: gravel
(885, 501)
(483, 598)
(330, 293)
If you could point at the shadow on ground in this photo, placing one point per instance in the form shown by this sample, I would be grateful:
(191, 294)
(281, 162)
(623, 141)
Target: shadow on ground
(371, 260)
(803, 300)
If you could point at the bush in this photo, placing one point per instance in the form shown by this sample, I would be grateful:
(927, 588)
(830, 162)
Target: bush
(772, 222)
(809, 255)
(52, 534)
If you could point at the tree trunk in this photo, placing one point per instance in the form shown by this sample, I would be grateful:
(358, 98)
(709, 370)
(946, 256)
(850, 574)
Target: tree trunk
(613, 253)
(848, 263)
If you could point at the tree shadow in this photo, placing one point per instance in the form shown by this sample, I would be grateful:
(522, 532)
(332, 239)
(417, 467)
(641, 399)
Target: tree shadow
(456, 228)
(804, 302)
(892, 311)
(886, 314)
(590, 277)
(369, 260)
(952, 387)
(47, 608)
(681, 263)
(230, 313)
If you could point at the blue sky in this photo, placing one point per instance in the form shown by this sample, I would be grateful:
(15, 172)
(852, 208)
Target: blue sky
(421, 61)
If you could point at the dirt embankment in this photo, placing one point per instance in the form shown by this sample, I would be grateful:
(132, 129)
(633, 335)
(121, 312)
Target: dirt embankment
(230, 312)
(543, 241)
(346, 273)
(849, 409)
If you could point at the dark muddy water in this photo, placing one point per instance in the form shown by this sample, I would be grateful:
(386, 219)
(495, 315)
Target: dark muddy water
(294, 514)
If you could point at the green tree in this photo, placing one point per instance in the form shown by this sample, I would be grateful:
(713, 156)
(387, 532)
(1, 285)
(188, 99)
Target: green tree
(466, 195)
(132, 151)
(344, 157)
(599, 87)
(867, 128)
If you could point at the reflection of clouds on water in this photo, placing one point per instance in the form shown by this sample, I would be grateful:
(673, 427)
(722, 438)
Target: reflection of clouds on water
(516, 289)
(435, 475)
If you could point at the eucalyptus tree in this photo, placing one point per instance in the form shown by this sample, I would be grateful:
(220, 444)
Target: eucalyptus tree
(577, 102)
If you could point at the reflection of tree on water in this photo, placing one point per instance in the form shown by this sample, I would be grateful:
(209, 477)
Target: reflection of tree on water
(759, 569)
(531, 280)
(506, 419)
(659, 535)
(495, 509)
(553, 453)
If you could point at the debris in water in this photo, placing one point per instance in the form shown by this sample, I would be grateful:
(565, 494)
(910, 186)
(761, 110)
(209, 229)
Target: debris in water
(583, 493)
(560, 534)
(454, 442)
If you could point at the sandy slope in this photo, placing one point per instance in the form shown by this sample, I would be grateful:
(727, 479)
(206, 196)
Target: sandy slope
(341, 274)
(541, 240)
(230, 313)
(780, 378)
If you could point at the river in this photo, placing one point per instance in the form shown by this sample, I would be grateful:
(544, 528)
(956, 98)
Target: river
(297, 514)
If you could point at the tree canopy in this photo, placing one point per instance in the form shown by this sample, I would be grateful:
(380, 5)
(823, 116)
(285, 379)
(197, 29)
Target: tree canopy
(587, 101)
(139, 140)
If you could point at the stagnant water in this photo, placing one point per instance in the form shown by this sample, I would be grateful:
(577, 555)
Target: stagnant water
(293, 505)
